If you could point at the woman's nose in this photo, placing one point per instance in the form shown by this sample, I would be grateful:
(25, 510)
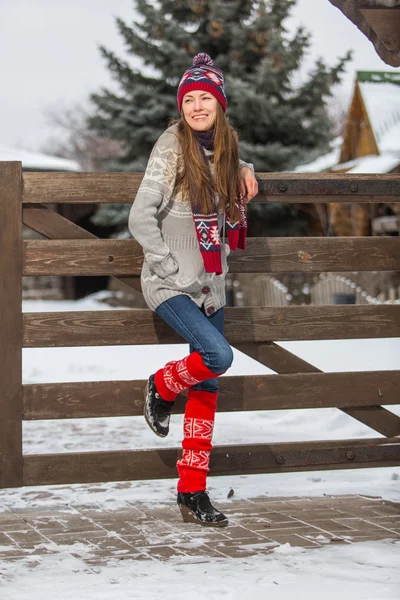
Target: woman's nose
(197, 104)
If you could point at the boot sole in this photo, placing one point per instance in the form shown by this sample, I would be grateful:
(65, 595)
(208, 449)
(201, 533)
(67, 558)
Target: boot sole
(145, 392)
(189, 517)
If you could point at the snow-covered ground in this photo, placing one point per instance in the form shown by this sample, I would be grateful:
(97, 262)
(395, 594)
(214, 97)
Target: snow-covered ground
(363, 571)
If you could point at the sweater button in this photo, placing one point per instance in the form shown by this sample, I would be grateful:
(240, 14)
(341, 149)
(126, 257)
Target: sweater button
(205, 290)
(210, 310)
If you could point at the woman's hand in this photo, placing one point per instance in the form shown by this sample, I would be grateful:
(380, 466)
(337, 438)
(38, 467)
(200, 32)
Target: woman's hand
(248, 184)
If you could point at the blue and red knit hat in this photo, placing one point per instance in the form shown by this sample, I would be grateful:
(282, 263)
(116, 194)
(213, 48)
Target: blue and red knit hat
(203, 76)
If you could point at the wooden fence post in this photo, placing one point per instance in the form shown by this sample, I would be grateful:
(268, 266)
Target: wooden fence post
(10, 324)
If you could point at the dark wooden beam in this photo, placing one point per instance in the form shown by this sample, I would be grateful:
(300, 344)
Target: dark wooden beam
(90, 467)
(257, 324)
(263, 255)
(78, 400)
(54, 226)
(10, 324)
(282, 361)
(354, 11)
(386, 24)
(99, 188)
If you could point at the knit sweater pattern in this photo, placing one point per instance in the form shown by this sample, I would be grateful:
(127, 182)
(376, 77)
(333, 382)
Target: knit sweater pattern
(161, 221)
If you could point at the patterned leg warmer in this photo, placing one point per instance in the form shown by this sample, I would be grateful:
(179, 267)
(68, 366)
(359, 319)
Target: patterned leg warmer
(198, 429)
(179, 375)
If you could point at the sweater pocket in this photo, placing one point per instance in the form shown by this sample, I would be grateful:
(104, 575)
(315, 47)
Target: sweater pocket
(191, 276)
(167, 267)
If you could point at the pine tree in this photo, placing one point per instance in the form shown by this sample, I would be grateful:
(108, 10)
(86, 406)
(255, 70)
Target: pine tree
(280, 125)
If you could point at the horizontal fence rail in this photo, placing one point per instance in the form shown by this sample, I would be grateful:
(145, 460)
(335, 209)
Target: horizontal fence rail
(262, 255)
(91, 467)
(237, 393)
(260, 324)
(65, 188)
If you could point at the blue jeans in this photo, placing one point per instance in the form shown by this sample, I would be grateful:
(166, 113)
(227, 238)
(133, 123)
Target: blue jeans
(205, 334)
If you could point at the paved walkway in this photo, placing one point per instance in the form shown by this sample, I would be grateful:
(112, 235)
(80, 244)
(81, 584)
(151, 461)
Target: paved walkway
(98, 536)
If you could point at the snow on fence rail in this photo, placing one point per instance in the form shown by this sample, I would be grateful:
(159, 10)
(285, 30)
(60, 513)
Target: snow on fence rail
(71, 250)
(344, 289)
(265, 290)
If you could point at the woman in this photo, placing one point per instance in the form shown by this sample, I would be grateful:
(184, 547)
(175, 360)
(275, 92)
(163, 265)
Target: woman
(193, 187)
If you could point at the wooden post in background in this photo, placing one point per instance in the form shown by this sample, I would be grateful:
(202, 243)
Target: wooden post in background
(10, 324)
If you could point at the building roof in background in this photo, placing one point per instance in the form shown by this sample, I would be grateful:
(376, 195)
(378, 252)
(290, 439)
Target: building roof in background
(36, 160)
(380, 91)
(384, 163)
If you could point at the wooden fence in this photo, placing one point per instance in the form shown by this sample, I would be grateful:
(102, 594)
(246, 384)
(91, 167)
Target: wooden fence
(70, 250)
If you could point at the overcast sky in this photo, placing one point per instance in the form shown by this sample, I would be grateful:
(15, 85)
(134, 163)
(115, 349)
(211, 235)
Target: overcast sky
(49, 56)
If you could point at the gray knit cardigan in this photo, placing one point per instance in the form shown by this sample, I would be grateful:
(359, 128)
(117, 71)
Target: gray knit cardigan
(161, 221)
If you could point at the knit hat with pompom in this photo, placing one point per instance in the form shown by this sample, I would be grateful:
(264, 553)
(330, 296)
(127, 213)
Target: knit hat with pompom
(203, 76)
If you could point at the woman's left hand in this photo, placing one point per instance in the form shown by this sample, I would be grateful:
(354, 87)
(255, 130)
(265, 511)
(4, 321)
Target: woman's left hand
(248, 184)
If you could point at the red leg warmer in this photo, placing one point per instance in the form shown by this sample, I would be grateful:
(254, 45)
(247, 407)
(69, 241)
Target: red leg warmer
(179, 375)
(197, 443)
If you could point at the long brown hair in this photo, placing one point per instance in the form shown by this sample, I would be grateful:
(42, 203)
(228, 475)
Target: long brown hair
(194, 174)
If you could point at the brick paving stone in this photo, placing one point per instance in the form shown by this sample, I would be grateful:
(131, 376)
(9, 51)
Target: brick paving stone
(99, 535)
(209, 548)
(276, 517)
(235, 551)
(364, 513)
(162, 552)
(265, 499)
(13, 522)
(330, 525)
(28, 539)
(6, 540)
(303, 504)
(237, 532)
(292, 539)
(387, 509)
(296, 528)
(363, 525)
(281, 507)
(263, 525)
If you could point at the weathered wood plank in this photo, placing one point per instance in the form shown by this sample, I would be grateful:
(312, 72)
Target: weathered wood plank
(385, 22)
(52, 225)
(87, 188)
(90, 467)
(56, 227)
(259, 324)
(262, 392)
(281, 361)
(377, 417)
(275, 357)
(10, 324)
(262, 255)
(351, 9)
(48, 188)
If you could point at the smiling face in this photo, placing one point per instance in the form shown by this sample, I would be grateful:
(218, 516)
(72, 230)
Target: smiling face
(199, 110)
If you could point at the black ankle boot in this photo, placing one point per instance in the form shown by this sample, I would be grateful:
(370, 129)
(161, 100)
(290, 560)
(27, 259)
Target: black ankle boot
(157, 411)
(196, 507)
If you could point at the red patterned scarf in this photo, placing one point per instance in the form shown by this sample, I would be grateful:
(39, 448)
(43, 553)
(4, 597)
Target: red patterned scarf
(207, 229)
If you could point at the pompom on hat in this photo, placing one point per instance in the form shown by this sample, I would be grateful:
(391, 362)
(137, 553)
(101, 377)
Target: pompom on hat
(203, 75)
